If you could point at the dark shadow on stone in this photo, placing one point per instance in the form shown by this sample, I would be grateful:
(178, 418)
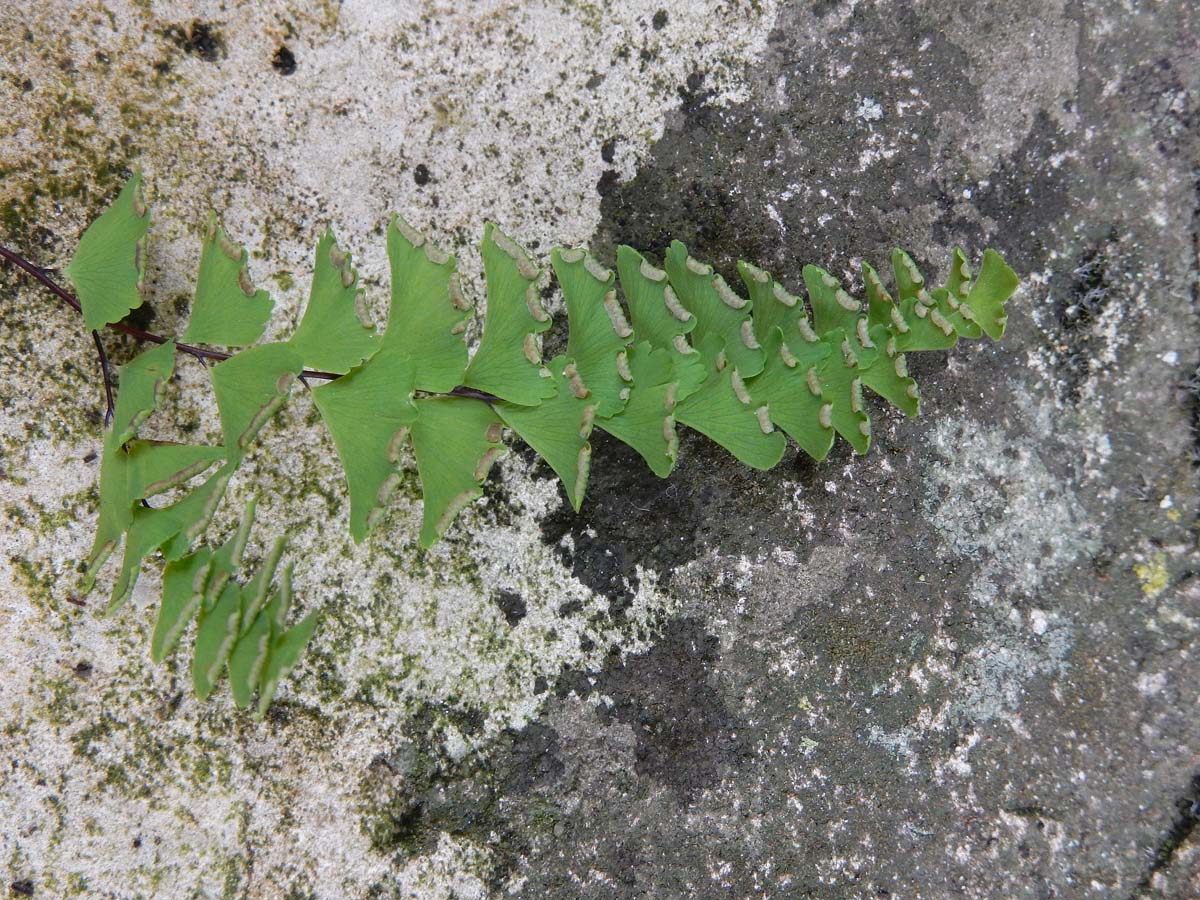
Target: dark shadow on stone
(685, 735)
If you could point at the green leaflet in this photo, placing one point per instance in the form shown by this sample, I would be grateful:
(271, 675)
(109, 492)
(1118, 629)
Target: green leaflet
(157, 466)
(108, 264)
(131, 470)
(236, 628)
(428, 312)
(559, 428)
(832, 307)
(934, 319)
(284, 652)
(655, 312)
(142, 382)
(227, 558)
(508, 363)
(647, 421)
(248, 658)
(254, 594)
(841, 391)
(720, 312)
(368, 412)
(286, 645)
(599, 331)
(215, 636)
(954, 292)
(923, 327)
(116, 511)
(176, 526)
(334, 334)
(725, 410)
(793, 402)
(881, 308)
(774, 307)
(250, 388)
(228, 310)
(456, 440)
(986, 299)
(885, 371)
(253, 629)
(184, 582)
(930, 323)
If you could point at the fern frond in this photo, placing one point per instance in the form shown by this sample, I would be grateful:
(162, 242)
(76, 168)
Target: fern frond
(683, 348)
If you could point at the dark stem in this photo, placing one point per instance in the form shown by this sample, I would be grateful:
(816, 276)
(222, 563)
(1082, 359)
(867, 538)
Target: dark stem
(42, 276)
(106, 374)
(472, 394)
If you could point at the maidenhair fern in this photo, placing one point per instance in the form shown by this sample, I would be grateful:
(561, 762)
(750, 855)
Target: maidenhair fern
(684, 348)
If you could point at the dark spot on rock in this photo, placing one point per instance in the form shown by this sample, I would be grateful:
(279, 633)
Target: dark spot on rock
(199, 39)
(419, 792)
(570, 608)
(693, 95)
(284, 61)
(609, 181)
(632, 517)
(26, 86)
(660, 20)
(685, 735)
(421, 174)
(511, 604)
(1027, 193)
(534, 759)
(608, 150)
(83, 669)
(398, 826)
(1156, 90)
(1192, 385)
(1092, 286)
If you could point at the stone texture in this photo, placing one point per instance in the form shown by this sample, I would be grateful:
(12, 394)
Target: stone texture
(961, 666)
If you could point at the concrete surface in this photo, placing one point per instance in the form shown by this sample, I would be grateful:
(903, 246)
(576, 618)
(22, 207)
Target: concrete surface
(964, 665)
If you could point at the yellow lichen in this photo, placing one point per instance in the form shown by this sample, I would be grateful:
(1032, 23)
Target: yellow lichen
(1152, 575)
